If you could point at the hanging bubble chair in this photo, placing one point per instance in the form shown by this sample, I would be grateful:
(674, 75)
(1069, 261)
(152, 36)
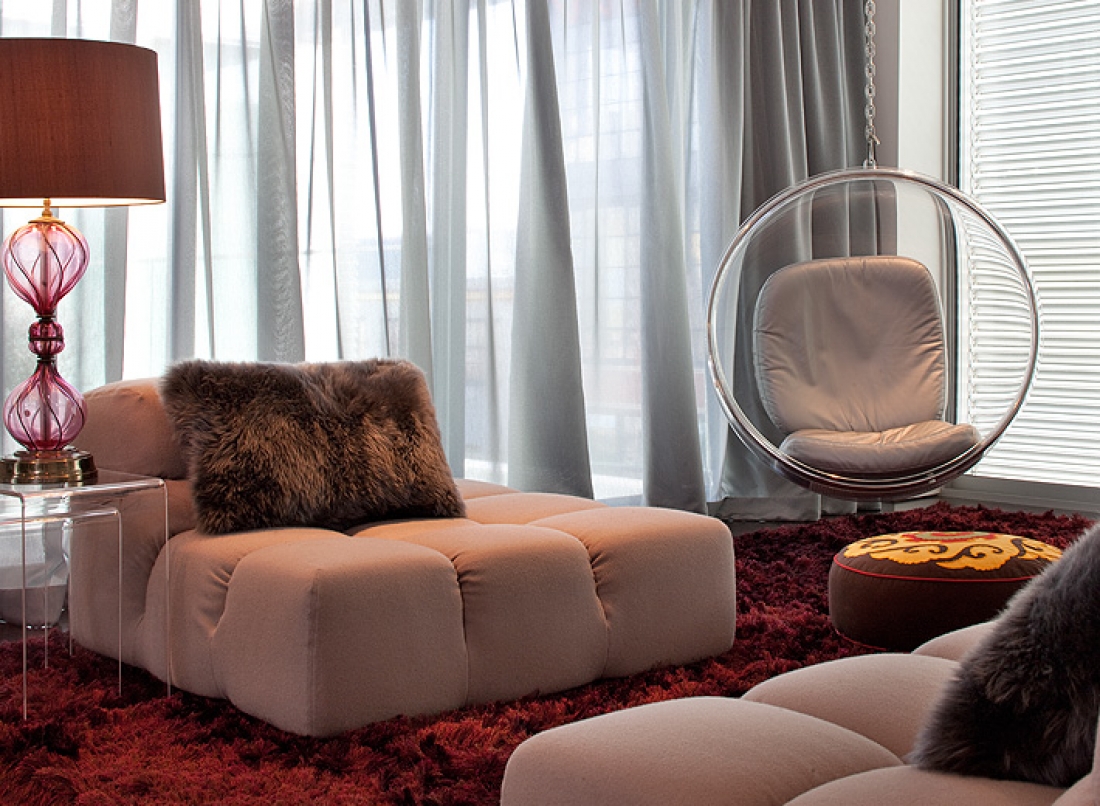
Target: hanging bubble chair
(842, 318)
(844, 324)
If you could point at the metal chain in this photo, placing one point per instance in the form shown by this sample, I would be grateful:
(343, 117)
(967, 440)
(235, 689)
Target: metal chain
(869, 88)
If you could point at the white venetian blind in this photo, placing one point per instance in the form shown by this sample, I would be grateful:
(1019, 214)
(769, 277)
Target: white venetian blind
(1029, 148)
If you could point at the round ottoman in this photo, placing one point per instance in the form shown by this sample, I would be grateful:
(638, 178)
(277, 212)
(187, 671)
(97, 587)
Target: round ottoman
(897, 591)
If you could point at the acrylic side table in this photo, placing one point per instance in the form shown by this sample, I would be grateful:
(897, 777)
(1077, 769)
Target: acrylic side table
(27, 507)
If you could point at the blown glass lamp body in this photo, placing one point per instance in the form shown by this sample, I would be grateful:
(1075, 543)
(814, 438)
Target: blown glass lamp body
(43, 260)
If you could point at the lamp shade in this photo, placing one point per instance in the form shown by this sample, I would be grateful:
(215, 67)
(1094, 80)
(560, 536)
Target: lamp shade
(79, 124)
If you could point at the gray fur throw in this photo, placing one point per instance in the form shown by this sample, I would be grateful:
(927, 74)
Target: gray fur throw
(331, 445)
(1025, 701)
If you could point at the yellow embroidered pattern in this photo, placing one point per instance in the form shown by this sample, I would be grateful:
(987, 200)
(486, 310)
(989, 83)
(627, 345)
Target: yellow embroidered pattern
(981, 551)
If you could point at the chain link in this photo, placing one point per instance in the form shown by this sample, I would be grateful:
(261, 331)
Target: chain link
(869, 88)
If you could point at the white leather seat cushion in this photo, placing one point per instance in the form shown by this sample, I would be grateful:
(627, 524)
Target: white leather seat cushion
(877, 453)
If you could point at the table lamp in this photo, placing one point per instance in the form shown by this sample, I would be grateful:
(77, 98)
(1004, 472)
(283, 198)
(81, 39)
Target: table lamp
(80, 128)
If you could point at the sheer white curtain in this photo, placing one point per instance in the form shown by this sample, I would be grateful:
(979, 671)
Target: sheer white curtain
(525, 197)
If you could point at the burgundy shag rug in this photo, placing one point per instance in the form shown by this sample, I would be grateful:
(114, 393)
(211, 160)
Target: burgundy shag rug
(85, 744)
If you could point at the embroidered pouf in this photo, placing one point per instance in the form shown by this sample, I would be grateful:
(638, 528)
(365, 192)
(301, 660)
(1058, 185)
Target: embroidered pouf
(897, 591)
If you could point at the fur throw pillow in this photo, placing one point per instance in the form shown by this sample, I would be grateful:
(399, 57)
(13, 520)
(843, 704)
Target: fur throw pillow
(1025, 701)
(329, 445)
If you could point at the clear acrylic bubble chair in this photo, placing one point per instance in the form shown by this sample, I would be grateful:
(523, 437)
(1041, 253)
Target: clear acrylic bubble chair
(843, 324)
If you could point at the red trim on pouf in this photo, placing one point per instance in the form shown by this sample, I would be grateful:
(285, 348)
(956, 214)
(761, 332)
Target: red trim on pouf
(931, 578)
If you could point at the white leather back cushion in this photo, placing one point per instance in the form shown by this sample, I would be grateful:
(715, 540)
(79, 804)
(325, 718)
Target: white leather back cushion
(850, 344)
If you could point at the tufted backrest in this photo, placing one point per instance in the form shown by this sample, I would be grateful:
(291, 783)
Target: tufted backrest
(128, 430)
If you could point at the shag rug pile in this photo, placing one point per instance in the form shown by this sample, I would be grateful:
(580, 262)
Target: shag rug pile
(83, 743)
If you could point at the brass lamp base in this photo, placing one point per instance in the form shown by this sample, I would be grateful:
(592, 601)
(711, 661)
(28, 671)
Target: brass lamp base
(68, 466)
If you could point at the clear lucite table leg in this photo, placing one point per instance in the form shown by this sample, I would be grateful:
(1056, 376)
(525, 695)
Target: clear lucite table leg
(66, 507)
(66, 523)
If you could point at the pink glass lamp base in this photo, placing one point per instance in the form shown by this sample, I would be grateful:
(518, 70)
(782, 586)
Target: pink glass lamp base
(44, 413)
(43, 260)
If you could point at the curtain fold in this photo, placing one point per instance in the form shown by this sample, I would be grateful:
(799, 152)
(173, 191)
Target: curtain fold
(190, 173)
(801, 118)
(450, 120)
(415, 340)
(673, 461)
(527, 198)
(325, 166)
(722, 67)
(280, 327)
(547, 435)
(116, 229)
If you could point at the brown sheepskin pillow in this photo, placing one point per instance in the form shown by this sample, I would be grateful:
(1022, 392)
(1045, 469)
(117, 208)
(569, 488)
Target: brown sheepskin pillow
(329, 445)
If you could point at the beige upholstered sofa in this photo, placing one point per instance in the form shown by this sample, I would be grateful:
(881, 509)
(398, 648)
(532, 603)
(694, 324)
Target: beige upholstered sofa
(834, 734)
(319, 631)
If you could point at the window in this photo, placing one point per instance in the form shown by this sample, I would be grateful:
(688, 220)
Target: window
(1029, 152)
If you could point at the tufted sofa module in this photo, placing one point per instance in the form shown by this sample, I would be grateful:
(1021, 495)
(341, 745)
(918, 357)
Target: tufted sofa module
(835, 734)
(1001, 712)
(321, 630)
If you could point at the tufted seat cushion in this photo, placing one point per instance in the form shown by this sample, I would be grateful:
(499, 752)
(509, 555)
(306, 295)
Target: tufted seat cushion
(883, 697)
(701, 750)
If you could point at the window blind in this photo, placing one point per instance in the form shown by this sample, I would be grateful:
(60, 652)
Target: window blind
(1029, 152)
